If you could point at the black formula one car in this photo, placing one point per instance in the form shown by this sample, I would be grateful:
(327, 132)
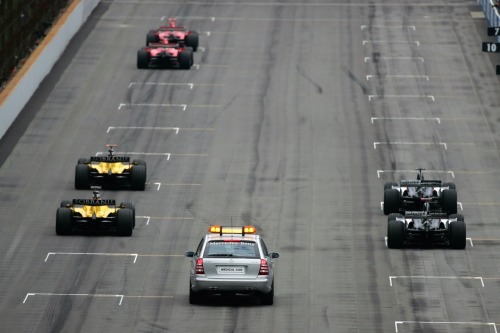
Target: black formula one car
(95, 215)
(165, 56)
(419, 228)
(412, 195)
(110, 171)
(173, 34)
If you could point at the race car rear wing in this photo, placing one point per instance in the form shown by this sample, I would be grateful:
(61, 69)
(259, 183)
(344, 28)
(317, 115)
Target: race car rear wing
(110, 159)
(164, 46)
(92, 202)
(423, 215)
(420, 183)
(167, 28)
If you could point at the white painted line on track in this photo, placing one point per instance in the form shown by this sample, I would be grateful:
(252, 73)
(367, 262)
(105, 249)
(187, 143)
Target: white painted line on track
(416, 42)
(436, 277)
(395, 58)
(470, 240)
(368, 77)
(406, 118)
(460, 204)
(379, 172)
(110, 128)
(381, 205)
(363, 27)
(370, 97)
(190, 85)
(92, 254)
(183, 106)
(197, 66)
(121, 297)
(410, 143)
(149, 218)
(463, 323)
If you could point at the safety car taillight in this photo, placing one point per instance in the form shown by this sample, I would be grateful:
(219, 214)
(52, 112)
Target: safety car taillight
(264, 267)
(199, 266)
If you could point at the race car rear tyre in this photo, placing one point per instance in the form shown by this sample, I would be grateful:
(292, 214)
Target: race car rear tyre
(459, 217)
(194, 297)
(139, 162)
(65, 203)
(391, 201)
(395, 234)
(138, 177)
(143, 58)
(63, 221)
(389, 185)
(192, 40)
(152, 37)
(268, 299)
(82, 177)
(129, 205)
(394, 216)
(452, 186)
(449, 201)
(125, 222)
(457, 234)
(186, 58)
(83, 160)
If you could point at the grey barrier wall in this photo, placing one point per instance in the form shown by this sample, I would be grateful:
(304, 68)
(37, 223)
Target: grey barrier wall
(27, 85)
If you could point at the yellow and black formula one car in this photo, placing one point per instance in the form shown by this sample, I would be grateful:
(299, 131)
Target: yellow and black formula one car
(110, 171)
(94, 215)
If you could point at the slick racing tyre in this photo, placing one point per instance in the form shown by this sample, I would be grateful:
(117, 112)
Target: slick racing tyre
(152, 37)
(186, 58)
(391, 201)
(268, 299)
(65, 203)
(449, 201)
(82, 177)
(394, 216)
(457, 233)
(143, 58)
(131, 206)
(138, 177)
(395, 234)
(389, 185)
(192, 40)
(83, 161)
(452, 186)
(63, 221)
(124, 222)
(139, 162)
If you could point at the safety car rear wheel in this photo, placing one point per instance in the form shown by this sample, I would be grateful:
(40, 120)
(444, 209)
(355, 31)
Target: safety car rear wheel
(82, 177)
(125, 222)
(391, 201)
(138, 177)
(395, 234)
(192, 40)
(389, 185)
(449, 201)
(152, 37)
(63, 221)
(186, 58)
(129, 205)
(457, 232)
(268, 299)
(194, 297)
(143, 58)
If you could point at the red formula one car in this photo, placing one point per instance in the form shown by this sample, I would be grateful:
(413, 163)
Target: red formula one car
(165, 56)
(173, 34)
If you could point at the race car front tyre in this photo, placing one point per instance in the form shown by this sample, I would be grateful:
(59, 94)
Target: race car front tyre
(389, 185)
(152, 37)
(192, 40)
(82, 177)
(449, 201)
(457, 234)
(124, 222)
(268, 299)
(129, 205)
(194, 297)
(65, 203)
(83, 161)
(63, 221)
(452, 186)
(186, 58)
(391, 201)
(138, 177)
(394, 216)
(143, 58)
(395, 234)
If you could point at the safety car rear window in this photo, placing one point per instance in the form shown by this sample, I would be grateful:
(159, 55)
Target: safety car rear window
(237, 249)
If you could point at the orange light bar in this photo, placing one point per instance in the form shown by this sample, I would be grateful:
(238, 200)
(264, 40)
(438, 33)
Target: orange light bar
(218, 229)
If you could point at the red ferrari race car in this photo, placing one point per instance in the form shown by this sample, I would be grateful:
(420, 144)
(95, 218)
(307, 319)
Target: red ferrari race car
(173, 34)
(165, 56)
